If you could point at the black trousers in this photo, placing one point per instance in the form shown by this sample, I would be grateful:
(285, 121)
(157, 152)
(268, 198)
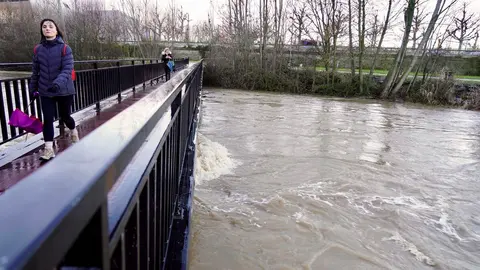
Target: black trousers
(167, 73)
(64, 111)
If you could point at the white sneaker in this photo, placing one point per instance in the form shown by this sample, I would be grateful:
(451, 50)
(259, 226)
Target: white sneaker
(74, 135)
(48, 152)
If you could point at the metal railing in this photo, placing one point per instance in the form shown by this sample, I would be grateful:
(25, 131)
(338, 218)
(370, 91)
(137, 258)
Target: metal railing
(119, 199)
(93, 85)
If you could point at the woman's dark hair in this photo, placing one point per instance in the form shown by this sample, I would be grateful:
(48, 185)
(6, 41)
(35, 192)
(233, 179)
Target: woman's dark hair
(59, 32)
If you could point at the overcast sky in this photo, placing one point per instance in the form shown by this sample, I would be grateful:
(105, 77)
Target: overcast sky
(198, 10)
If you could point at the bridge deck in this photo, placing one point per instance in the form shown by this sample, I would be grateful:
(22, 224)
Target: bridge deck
(15, 171)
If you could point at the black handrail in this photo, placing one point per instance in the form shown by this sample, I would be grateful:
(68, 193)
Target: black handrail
(60, 215)
(29, 64)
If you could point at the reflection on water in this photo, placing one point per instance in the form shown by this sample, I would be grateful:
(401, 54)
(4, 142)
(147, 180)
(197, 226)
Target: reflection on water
(299, 182)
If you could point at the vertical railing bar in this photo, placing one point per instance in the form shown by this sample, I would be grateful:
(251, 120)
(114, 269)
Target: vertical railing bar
(165, 203)
(158, 71)
(25, 97)
(16, 93)
(171, 179)
(147, 232)
(123, 253)
(138, 235)
(38, 106)
(8, 91)
(89, 89)
(161, 206)
(3, 115)
(153, 217)
(79, 89)
(119, 86)
(143, 74)
(133, 76)
(144, 231)
(96, 88)
(151, 76)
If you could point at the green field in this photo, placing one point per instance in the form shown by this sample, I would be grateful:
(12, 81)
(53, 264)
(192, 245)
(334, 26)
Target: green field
(382, 72)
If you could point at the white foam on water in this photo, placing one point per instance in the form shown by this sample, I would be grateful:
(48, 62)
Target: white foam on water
(421, 208)
(408, 201)
(410, 247)
(303, 221)
(212, 160)
(446, 225)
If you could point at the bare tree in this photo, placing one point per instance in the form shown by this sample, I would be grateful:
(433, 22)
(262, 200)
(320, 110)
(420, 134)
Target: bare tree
(327, 19)
(395, 70)
(441, 7)
(465, 26)
(350, 39)
(475, 43)
(382, 36)
(278, 30)
(374, 31)
(361, 39)
(418, 20)
(202, 32)
(264, 21)
(298, 20)
(19, 44)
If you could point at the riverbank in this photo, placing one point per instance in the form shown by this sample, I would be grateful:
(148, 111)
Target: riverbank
(436, 92)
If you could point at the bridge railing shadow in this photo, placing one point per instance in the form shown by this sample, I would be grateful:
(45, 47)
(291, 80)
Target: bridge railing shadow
(96, 81)
(119, 199)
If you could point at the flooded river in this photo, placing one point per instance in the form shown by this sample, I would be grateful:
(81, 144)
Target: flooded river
(300, 182)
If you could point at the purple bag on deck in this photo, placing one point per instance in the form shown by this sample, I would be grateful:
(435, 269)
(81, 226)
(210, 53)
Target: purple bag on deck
(21, 120)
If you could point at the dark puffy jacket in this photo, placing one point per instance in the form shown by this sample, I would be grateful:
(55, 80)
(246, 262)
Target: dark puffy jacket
(51, 68)
(165, 59)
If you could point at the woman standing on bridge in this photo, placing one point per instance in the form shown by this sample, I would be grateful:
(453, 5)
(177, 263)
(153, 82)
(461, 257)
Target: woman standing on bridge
(166, 57)
(52, 80)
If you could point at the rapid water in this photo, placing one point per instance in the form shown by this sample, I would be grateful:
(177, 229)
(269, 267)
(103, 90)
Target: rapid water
(301, 182)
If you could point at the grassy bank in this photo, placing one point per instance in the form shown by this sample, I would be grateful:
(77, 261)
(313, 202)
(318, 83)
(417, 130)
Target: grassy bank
(340, 84)
(383, 72)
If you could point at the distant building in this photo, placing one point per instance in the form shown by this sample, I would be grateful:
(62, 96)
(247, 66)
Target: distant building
(308, 42)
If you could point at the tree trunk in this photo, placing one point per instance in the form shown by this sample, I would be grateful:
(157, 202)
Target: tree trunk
(350, 39)
(335, 36)
(421, 46)
(361, 40)
(382, 36)
(261, 33)
(393, 72)
(475, 44)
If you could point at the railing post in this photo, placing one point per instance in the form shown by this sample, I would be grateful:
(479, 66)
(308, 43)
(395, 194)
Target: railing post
(151, 71)
(143, 74)
(96, 88)
(119, 85)
(133, 76)
(158, 77)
